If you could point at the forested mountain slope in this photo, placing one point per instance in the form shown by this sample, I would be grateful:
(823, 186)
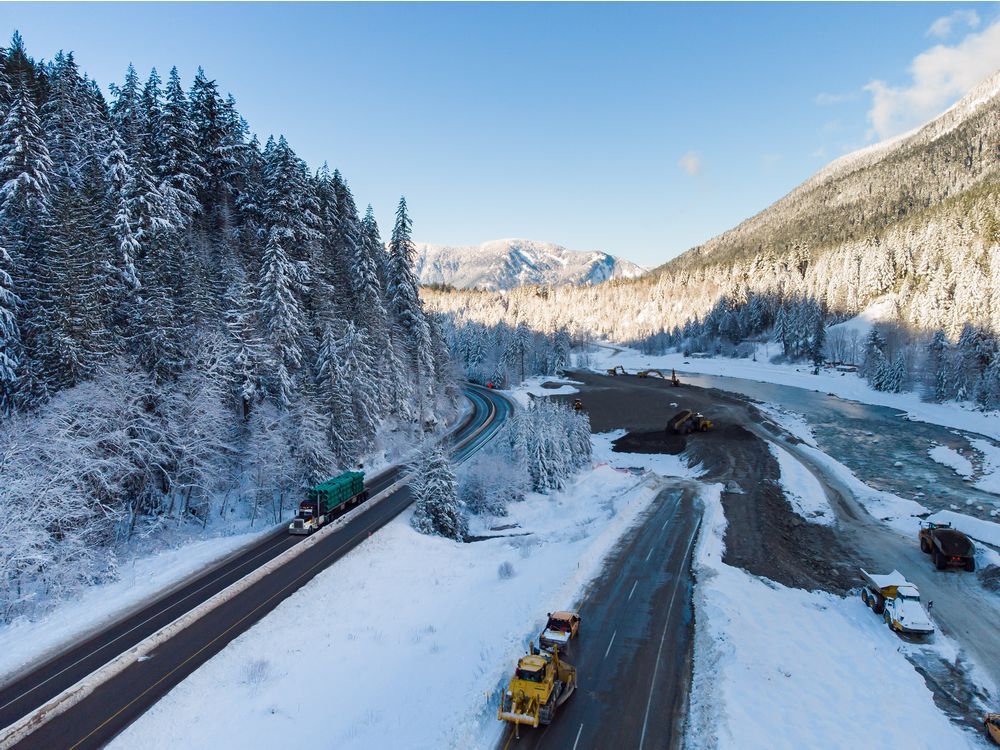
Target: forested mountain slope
(505, 264)
(193, 325)
(865, 192)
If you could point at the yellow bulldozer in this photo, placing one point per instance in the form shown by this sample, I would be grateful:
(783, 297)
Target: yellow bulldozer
(541, 683)
(686, 421)
(617, 370)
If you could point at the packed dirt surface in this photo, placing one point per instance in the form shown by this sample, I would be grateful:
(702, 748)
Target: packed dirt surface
(764, 535)
(653, 441)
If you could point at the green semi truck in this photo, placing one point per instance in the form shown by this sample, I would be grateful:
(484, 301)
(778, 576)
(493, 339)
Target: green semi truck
(325, 500)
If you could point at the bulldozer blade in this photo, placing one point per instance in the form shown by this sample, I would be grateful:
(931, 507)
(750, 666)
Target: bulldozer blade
(570, 689)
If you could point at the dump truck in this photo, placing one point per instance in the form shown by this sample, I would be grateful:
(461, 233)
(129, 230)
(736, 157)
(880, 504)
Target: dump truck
(617, 370)
(324, 501)
(559, 630)
(898, 601)
(687, 421)
(541, 683)
(577, 404)
(991, 722)
(948, 547)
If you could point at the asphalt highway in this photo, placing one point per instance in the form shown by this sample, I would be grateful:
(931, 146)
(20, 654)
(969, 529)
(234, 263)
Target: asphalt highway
(632, 651)
(118, 702)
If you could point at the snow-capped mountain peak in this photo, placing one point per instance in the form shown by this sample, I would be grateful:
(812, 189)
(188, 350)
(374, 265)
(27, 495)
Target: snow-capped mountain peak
(508, 263)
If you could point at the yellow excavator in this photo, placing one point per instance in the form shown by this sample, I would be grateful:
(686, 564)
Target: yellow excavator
(651, 374)
(617, 370)
(541, 683)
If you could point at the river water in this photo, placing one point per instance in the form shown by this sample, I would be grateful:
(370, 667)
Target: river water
(885, 450)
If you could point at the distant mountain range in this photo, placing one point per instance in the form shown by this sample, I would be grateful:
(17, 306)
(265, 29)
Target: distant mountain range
(506, 264)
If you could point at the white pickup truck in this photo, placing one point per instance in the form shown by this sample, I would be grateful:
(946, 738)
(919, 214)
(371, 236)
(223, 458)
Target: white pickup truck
(898, 601)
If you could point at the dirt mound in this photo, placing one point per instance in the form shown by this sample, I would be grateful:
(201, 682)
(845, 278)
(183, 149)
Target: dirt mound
(653, 441)
(764, 536)
(990, 576)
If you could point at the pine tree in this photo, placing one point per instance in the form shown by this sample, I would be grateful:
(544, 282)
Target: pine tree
(437, 509)
(10, 335)
(180, 170)
(25, 165)
(404, 304)
(281, 314)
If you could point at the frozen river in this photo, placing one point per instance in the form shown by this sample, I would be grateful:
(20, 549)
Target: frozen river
(883, 448)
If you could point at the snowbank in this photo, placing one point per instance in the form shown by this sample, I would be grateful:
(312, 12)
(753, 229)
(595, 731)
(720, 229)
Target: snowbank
(952, 459)
(24, 642)
(802, 490)
(784, 668)
(983, 531)
(990, 454)
(408, 637)
(963, 416)
(532, 388)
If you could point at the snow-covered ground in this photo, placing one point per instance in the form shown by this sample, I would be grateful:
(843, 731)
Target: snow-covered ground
(802, 490)
(409, 638)
(24, 641)
(963, 416)
(990, 457)
(953, 459)
(784, 668)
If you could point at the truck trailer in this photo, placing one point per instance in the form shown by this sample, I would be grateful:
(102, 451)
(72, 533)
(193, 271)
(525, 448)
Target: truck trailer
(324, 501)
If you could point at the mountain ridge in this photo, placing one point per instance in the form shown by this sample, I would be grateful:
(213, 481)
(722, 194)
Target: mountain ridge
(512, 262)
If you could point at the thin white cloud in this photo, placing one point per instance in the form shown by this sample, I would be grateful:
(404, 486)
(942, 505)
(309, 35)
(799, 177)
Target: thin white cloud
(825, 98)
(939, 76)
(943, 26)
(691, 163)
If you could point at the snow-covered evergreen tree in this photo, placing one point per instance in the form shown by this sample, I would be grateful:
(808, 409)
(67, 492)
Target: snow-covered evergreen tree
(436, 507)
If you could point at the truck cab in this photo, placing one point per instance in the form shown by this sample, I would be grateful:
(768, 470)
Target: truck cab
(905, 614)
(305, 521)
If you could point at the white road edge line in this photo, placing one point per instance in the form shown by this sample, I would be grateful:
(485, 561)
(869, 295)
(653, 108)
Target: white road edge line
(608, 651)
(72, 695)
(663, 637)
(633, 590)
(648, 554)
(578, 733)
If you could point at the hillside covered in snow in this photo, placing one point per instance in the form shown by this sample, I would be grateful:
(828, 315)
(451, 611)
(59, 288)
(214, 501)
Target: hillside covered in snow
(505, 264)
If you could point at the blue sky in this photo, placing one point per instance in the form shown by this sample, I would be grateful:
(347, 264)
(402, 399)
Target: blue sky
(637, 129)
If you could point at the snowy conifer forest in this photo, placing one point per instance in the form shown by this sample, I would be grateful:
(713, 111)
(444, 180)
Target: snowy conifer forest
(912, 224)
(542, 448)
(193, 324)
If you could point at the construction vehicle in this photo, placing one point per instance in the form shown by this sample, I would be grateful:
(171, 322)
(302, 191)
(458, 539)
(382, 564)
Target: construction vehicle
(686, 421)
(559, 630)
(674, 380)
(577, 405)
(651, 374)
(541, 683)
(992, 724)
(325, 501)
(948, 547)
(898, 601)
(617, 370)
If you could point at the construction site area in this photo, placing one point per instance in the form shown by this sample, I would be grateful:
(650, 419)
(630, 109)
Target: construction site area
(731, 440)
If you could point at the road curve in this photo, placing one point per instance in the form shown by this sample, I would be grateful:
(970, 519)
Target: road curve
(112, 706)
